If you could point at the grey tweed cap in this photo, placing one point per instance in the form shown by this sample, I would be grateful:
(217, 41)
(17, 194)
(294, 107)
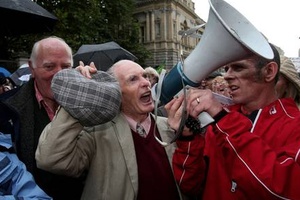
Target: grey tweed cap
(92, 101)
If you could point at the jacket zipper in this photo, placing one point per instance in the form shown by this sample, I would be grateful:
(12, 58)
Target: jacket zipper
(233, 186)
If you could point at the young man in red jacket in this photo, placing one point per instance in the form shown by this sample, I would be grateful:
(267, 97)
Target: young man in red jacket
(251, 151)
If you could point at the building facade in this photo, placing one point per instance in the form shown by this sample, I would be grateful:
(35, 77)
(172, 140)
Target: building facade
(160, 21)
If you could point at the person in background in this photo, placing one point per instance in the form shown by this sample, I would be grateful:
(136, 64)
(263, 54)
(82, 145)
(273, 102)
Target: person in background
(288, 84)
(122, 157)
(207, 82)
(6, 84)
(15, 181)
(220, 86)
(152, 75)
(36, 107)
(251, 150)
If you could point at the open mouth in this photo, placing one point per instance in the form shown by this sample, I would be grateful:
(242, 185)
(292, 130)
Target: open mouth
(146, 97)
(233, 88)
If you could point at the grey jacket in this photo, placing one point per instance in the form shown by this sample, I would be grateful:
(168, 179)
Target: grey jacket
(106, 151)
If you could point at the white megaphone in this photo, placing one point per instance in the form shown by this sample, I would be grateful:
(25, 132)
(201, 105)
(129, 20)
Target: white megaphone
(228, 37)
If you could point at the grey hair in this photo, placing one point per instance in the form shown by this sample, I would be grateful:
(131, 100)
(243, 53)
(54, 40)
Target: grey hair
(112, 69)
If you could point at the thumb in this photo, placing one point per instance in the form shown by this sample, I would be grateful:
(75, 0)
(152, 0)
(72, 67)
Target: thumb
(81, 63)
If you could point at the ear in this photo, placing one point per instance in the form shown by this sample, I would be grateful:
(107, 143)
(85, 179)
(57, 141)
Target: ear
(31, 68)
(270, 71)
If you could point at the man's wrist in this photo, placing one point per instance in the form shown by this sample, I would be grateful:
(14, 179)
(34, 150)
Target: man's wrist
(221, 114)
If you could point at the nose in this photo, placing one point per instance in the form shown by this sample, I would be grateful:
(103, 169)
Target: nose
(57, 69)
(53, 72)
(228, 75)
(225, 75)
(146, 82)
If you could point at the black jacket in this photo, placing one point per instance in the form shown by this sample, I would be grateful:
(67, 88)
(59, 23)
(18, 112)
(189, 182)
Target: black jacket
(33, 120)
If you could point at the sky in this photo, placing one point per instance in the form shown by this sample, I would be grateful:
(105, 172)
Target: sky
(278, 20)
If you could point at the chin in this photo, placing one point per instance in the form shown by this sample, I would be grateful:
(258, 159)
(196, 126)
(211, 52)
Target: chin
(149, 108)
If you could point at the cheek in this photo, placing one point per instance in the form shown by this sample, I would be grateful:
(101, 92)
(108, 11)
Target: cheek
(44, 80)
(127, 99)
(247, 75)
(128, 95)
(248, 78)
(44, 75)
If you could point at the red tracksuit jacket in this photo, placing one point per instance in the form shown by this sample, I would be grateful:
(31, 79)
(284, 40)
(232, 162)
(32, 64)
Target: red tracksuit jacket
(241, 159)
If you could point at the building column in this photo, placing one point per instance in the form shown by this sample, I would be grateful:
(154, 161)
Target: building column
(152, 25)
(148, 26)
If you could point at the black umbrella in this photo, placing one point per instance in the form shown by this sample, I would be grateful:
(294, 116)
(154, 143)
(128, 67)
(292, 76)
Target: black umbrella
(21, 75)
(103, 55)
(24, 16)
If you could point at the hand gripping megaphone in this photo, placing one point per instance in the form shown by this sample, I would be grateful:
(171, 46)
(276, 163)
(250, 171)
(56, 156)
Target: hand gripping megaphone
(228, 37)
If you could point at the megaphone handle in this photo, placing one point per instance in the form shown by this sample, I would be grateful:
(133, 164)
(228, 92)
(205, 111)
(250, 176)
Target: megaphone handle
(205, 119)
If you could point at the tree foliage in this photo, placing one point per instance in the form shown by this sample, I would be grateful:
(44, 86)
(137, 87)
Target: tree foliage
(88, 22)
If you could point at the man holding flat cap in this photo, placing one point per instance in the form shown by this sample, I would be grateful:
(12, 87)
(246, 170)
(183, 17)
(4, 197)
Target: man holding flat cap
(122, 157)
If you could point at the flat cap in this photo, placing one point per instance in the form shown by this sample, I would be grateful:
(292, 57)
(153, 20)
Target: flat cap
(92, 101)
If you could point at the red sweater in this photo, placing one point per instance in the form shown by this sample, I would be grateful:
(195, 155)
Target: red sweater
(156, 179)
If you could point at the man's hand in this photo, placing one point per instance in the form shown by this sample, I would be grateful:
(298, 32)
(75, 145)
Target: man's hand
(199, 100)
(174, 110)
(86, 70)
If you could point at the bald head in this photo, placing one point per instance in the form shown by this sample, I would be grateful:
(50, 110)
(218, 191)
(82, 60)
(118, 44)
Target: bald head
(43, 46)
(121, 67)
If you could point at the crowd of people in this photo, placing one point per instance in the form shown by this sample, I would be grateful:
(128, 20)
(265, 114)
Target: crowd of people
(53, 146)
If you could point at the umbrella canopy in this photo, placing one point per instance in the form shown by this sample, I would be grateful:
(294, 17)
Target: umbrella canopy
(103, 55)
(4, 72)
(21, 75)
(24, 16)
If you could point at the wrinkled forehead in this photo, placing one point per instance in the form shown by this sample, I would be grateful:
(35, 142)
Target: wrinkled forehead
(127, 69)
(247, 61)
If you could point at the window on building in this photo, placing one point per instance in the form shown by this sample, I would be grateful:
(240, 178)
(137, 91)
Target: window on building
(157, 28)
(174, 29)
(142, 34)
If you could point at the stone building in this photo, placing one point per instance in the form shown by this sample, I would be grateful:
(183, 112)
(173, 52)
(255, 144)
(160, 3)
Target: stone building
(160, 21)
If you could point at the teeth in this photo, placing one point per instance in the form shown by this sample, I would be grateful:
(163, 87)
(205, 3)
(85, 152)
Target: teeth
(144, 95)
(233, 87)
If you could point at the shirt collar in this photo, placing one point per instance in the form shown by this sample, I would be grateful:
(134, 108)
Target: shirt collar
(41, 102)
(146, 123)
(38, 95)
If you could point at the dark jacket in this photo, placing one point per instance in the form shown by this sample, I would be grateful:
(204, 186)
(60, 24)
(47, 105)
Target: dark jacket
(33, 119)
